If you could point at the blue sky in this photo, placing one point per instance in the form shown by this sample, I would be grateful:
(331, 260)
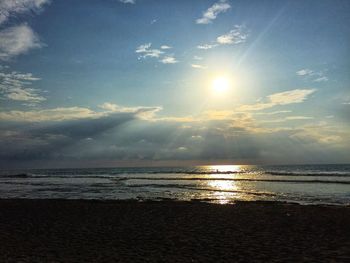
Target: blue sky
(130, 82)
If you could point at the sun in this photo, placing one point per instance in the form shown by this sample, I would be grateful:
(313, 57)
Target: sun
(220, 85)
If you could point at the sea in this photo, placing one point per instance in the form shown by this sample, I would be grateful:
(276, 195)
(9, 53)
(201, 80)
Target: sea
(304, 184)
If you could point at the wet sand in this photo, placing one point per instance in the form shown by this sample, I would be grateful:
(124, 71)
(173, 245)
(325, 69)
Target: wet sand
(128, 231)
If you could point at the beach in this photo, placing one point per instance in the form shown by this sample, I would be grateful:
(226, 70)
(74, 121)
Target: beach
(171, 231)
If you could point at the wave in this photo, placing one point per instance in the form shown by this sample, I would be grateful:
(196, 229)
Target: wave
(232, 179)
(300, 173)
(110, 175)
(27, 175)
(21, 175)
(201, 189)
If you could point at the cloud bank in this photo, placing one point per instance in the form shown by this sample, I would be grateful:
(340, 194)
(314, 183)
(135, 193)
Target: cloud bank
(135, 134)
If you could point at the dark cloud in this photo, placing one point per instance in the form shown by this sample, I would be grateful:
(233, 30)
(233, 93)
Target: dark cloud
(125, 137)
(46, 140)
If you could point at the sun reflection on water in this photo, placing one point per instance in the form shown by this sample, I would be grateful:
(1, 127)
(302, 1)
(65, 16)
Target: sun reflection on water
(225, 168)
(224, 191)
(223, 185)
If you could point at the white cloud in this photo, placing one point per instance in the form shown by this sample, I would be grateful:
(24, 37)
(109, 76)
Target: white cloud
(182, 148)
(320, 79)
(196, 137)
(317, 76)
(197, 66)
(109, 106)
(304, 72)
(127, 1)
(281, 98)
(291, 96)
(235, 36)
(212, 12)
(21, 94)
(56, 114)
(14, 86)
(169, 60)
(14, 75)
(146, 51)
(299, 118)
(143, 48)
(12, 7)
(289, 118)
(273, 112)
(197, 58)
(165, 47)
(17, 40)
(140, 111)
(206, 46)
(74, 113)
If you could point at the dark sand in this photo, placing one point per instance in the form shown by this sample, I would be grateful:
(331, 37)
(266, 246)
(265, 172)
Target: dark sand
(120, 231)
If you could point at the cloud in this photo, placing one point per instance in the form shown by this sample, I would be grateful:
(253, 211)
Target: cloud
(169, 60)
(320, 79)
(142, 112)
(273, 112)
(304, 72)
(197, 58)
(165, 47)
(2, 67)
(48, 140)
(12, 8)
(116, 135)
(289, 118)
(281, 98)
(206, 46)
(235, 36)
(299, 118)
(197, 66)
(124, 136)
(316, 76)
(14, 86)
(127, 1)
(109, 106)
(291, 96)
(56, 114)
(322, 134)
(29, 95)
(212, 12)
(146, 51)
(17, 40)
(75, 113)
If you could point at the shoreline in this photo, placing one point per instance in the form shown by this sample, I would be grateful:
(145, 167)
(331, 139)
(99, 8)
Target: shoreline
(59, 230)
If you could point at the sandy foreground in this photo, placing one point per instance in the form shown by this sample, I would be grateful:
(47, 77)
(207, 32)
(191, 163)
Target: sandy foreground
(128, 231)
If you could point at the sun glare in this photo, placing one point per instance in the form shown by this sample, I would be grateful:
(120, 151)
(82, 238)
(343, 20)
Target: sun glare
(220, 85)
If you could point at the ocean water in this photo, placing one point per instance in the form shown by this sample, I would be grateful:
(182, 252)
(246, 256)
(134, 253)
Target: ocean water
(306, 184)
